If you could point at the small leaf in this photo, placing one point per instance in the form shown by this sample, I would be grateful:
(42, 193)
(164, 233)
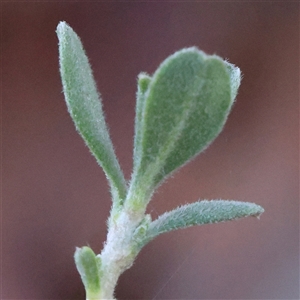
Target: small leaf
(88, 266)
(141, 232)
(143, 84)
(200, 213)
(185, 106)
(85, 108)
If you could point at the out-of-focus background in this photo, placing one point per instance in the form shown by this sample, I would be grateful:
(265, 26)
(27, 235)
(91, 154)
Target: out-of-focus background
(55, 197)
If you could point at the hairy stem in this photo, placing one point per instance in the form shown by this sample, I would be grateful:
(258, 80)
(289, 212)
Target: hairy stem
(118, 253)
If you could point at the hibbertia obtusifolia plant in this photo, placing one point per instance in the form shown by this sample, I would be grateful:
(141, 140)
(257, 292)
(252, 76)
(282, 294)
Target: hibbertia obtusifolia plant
(180, 110)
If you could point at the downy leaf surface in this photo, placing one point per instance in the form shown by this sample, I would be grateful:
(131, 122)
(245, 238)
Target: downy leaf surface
(200, 213)
(184, 107)
(84, 105)
(88, 266)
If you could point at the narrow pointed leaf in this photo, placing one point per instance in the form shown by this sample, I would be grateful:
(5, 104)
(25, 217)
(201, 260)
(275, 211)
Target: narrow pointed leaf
(185, 107)
(200, 213)
(88, 266)
(143, 84)
(84, 105)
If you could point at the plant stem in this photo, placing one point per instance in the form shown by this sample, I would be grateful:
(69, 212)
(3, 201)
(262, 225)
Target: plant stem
(118, 253)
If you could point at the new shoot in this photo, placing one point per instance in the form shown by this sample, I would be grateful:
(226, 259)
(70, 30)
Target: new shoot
(180, 110)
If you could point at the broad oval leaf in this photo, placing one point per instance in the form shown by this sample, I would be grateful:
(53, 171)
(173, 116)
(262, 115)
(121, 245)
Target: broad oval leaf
(185, 107)
(84, 105)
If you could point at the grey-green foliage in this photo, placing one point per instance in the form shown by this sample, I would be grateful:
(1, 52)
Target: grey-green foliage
(143, 84)
(201, 213)
(88, 266)
(84, 105)
(180, 109)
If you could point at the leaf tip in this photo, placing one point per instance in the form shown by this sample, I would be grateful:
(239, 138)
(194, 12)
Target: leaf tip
(64, 31)
(61, 27)
(143, 81)
(259, 211)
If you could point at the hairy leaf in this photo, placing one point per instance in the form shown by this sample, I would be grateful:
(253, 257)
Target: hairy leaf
(143, 84)
(200, 213)
(185, 106)
(84, 105)
(88, 266)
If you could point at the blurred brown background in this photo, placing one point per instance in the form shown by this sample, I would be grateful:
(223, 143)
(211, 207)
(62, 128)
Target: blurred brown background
(55, 197)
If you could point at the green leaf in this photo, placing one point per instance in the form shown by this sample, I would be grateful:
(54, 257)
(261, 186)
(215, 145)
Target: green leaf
(85, 108)
(200, 213)
(88, 266)
(140, 233)
(143, 84)
(185, 106)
